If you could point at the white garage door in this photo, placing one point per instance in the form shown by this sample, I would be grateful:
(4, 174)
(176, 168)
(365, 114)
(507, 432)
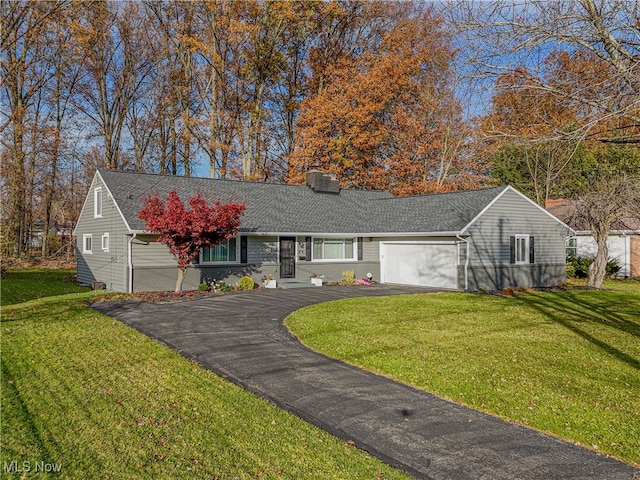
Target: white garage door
(424, 264)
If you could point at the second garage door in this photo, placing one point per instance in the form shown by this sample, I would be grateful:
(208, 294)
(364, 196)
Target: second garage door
(424, 264)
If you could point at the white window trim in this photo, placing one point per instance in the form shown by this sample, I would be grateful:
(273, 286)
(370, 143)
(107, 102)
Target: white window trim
(335, 260)
(85, 237)
(105, 236)
(526, 238)
(97, 193)
(227, 262)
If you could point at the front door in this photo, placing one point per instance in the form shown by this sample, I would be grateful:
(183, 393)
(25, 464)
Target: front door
(287, 257)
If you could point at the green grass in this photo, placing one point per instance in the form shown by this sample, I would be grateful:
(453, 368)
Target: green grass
(22, 285)
(566, 363)
(100, 400)
(630, 285)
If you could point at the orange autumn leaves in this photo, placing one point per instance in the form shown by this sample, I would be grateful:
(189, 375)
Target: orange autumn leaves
(384, 117)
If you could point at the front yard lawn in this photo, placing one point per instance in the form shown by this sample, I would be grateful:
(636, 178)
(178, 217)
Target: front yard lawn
(564, 362)
(90, 397)
(26, 284)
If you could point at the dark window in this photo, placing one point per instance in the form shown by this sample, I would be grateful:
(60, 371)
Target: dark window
(86, 243)
(333, 249)
(572, 248)
(224, 252)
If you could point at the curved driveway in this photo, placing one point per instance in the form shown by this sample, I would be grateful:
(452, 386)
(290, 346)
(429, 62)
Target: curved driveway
(242, 336)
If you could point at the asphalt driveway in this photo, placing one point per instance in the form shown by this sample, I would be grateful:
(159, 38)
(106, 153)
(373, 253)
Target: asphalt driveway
(242, 337)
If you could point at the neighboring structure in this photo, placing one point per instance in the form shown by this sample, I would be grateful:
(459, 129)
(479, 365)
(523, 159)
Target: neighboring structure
(623, 241)
(473, 240)
(36, 232)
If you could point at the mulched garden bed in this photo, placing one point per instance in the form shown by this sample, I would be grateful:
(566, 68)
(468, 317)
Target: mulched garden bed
(188, 295)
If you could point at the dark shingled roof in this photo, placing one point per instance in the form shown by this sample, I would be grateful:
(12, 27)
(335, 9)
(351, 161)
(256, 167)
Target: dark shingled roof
(442, 212)
(281, 208)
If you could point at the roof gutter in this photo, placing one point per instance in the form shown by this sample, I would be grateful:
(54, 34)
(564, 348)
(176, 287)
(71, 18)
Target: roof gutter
(347, 234)
(466, 262)
(611, 232)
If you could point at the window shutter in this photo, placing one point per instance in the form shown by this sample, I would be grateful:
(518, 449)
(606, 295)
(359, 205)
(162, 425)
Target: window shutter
(512, 249)
(244, 241)
(309, 244)
(360, 242)
(531, 250)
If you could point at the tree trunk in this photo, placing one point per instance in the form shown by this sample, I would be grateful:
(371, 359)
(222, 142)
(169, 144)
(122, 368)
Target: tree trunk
(598, 269)
(51, 181)
(174, 147)
(187, 153)
(50, 192)
(182, 272)
(17, 191)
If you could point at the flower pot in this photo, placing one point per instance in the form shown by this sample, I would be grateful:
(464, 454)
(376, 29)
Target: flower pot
(270, 284)
(317, 282)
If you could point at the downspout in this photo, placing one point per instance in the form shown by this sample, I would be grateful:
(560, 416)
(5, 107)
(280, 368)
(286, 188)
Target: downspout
(130, 262)
(466, 263)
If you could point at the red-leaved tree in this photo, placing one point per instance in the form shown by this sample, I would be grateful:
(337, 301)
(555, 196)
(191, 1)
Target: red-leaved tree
(186, 231)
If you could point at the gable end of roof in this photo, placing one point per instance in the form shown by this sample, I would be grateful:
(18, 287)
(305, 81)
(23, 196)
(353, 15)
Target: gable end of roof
(509, 188)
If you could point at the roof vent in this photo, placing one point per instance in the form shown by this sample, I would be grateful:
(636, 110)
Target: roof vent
(322, 183)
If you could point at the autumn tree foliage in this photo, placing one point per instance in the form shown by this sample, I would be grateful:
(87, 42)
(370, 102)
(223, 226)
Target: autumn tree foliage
(528, 137)
(583, 54)
(188, 230)
(263, 90)
(382, 118)
(113, 49)
(39, 73)
(555, 142)
(238, 69)
(536, 135)
(176, 87)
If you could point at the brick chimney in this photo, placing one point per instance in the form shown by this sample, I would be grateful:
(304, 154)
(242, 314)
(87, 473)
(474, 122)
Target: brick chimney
(322, 183)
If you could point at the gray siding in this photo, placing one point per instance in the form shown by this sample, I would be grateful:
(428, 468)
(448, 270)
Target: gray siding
(497, 277)
(164, 278)
(262, 250)
(489, 247)
(333, 270)
(155, 268)
(109, 266)
(371, 250)
(147, 252)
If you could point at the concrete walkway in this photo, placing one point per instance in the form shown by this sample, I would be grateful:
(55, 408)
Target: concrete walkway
(242, 337)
